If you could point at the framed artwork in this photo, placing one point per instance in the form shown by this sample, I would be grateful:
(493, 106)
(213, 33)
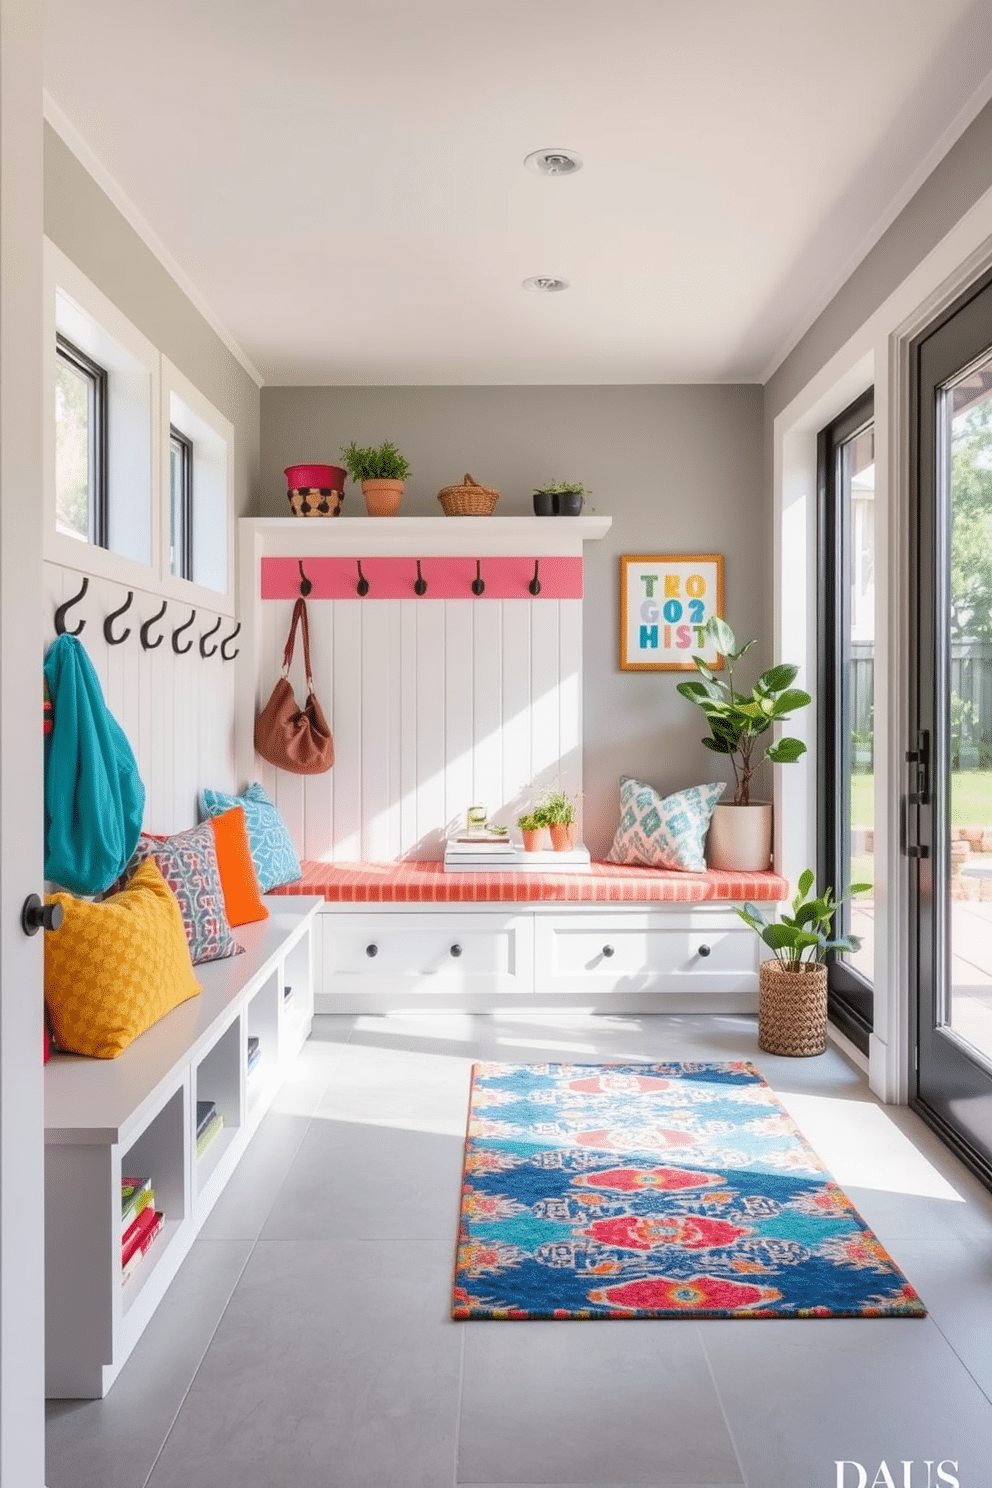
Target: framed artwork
(665, 600)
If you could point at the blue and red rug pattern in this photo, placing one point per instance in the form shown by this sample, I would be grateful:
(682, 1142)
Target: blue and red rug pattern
(655, 1191)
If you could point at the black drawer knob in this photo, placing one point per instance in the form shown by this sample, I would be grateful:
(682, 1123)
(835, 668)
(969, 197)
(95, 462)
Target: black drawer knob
(704, 950)
(372, 950)
(456, 950)
(607, 950)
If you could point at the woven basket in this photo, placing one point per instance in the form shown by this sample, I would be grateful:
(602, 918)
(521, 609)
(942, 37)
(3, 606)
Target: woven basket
(468, 500)
(792, 1009)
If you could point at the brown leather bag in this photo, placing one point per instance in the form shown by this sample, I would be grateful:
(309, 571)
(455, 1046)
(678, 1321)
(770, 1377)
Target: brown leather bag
(293, 738)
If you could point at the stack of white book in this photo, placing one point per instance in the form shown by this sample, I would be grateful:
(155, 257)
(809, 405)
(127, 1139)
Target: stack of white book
(491, 854)
(479, 852)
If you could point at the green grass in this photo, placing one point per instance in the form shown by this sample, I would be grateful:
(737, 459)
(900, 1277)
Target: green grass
(971, 798)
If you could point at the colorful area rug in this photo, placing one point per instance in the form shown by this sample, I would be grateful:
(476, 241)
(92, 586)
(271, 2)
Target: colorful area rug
(655, 1191)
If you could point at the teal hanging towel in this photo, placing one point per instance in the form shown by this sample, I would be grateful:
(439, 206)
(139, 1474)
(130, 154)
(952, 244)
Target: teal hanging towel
(94, 797)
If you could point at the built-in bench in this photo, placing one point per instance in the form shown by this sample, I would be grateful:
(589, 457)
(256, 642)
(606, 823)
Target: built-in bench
(136, 1116)
(408, 935)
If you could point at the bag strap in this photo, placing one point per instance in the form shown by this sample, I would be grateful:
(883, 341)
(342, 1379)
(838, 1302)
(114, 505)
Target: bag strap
(299, 614)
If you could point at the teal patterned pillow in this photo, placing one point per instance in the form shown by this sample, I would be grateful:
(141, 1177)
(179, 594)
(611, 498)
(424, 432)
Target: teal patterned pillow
(270, 845)
(663, 831)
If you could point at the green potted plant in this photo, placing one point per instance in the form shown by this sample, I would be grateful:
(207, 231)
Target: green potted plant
(560, 499)
(559, 813)
(792, 998)
(381, 472)
(740, 835)
(533, 825)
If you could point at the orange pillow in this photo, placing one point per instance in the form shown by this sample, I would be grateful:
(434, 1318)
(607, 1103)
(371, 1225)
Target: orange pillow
(242, 899)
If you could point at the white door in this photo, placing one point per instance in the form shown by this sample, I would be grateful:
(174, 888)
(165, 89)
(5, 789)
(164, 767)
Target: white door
(22, 1388)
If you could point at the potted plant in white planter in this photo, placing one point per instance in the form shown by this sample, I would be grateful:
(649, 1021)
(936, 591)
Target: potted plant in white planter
(792, 997)
(382, 473)
(740, 835)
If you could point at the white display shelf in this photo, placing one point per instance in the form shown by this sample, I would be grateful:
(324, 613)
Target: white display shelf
(420, 536)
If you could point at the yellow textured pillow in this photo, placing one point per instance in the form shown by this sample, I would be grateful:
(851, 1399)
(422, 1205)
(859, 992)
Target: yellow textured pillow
(113, 969)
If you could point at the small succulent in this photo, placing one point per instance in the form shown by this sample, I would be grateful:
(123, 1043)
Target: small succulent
(558, 488)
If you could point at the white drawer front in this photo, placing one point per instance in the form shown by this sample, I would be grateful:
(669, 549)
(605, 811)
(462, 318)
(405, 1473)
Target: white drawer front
(641, 953)
(427, 952)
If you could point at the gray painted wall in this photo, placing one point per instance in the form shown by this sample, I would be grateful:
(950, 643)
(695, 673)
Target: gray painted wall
(679, 469)
(82, 221)
(964, 175)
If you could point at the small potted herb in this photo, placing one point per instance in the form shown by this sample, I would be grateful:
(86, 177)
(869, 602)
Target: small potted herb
(533, 825)
(560, 499)
(559, 813)
(792, 1006)
(381, 472)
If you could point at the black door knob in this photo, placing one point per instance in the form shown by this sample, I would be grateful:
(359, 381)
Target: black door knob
(456, 950)
(704, 950)
(37, 916)
(372, 950)
(607, 950)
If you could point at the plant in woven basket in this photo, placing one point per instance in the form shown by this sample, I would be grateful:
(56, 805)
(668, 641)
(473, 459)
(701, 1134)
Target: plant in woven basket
(804, 936)
(738, 720)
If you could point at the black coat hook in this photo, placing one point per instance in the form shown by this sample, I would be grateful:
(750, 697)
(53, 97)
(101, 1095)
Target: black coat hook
(535, 584)
(181, 650)
(224, 644)
(153, 620)
(420, 587)
(362, 587)
(60, 614)
(108, 624)
(478, 584)
(204, 650)
(305, 583)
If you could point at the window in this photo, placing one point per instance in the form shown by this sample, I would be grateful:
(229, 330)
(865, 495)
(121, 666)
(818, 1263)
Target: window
(180, 504)
(846, 687)
(80, 445)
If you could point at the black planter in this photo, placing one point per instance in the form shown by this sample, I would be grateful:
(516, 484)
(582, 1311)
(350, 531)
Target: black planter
(570, 503)
(545, 504)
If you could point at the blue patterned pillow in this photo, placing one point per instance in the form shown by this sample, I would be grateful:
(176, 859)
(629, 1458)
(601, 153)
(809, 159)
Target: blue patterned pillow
(270, 845)
(188, 863)
(663, 831)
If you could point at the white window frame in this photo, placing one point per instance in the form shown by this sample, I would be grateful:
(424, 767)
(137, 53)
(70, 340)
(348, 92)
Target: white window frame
(877, 354)
(75, 307)
(184, 407)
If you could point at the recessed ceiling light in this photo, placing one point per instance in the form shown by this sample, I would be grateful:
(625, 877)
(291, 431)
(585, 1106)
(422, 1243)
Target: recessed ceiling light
(553, 162)
(545, 284)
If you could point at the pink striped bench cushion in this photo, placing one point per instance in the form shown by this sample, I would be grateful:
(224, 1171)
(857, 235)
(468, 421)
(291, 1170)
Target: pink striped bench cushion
(608, 883)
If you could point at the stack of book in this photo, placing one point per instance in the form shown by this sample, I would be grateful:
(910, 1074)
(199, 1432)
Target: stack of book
(479, 852)
(254, 1052)
(140, 1222)
(209, 1122)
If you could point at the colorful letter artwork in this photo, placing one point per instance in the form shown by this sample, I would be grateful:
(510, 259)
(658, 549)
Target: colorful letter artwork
(665, 602)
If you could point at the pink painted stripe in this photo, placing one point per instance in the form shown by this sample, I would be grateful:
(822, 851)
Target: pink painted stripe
(446, 578)
(608, 883)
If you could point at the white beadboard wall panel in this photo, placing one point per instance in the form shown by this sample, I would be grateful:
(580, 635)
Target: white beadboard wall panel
(346, 824)
(318, 818)
(487, 712)
(176, 711)
(430, 623)
(434, 704)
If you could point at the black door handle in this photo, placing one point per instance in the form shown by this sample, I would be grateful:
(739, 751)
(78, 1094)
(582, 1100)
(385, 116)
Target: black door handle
(372, 950)
(37, 916)
(704, 950)
(607, 950)
(456, 950)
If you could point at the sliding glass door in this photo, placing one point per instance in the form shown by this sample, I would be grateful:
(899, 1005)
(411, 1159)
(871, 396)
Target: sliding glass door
(948, 804)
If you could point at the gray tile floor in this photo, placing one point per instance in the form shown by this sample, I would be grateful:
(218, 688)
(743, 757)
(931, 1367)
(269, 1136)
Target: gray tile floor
(306, 1341)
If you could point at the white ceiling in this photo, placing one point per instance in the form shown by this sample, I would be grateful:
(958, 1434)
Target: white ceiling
(342, 186)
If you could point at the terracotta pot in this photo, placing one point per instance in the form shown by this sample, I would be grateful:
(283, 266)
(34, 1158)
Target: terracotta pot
(792, 1009)
(533, 840)
(382, 497)
(740, 837)
(563, 836)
